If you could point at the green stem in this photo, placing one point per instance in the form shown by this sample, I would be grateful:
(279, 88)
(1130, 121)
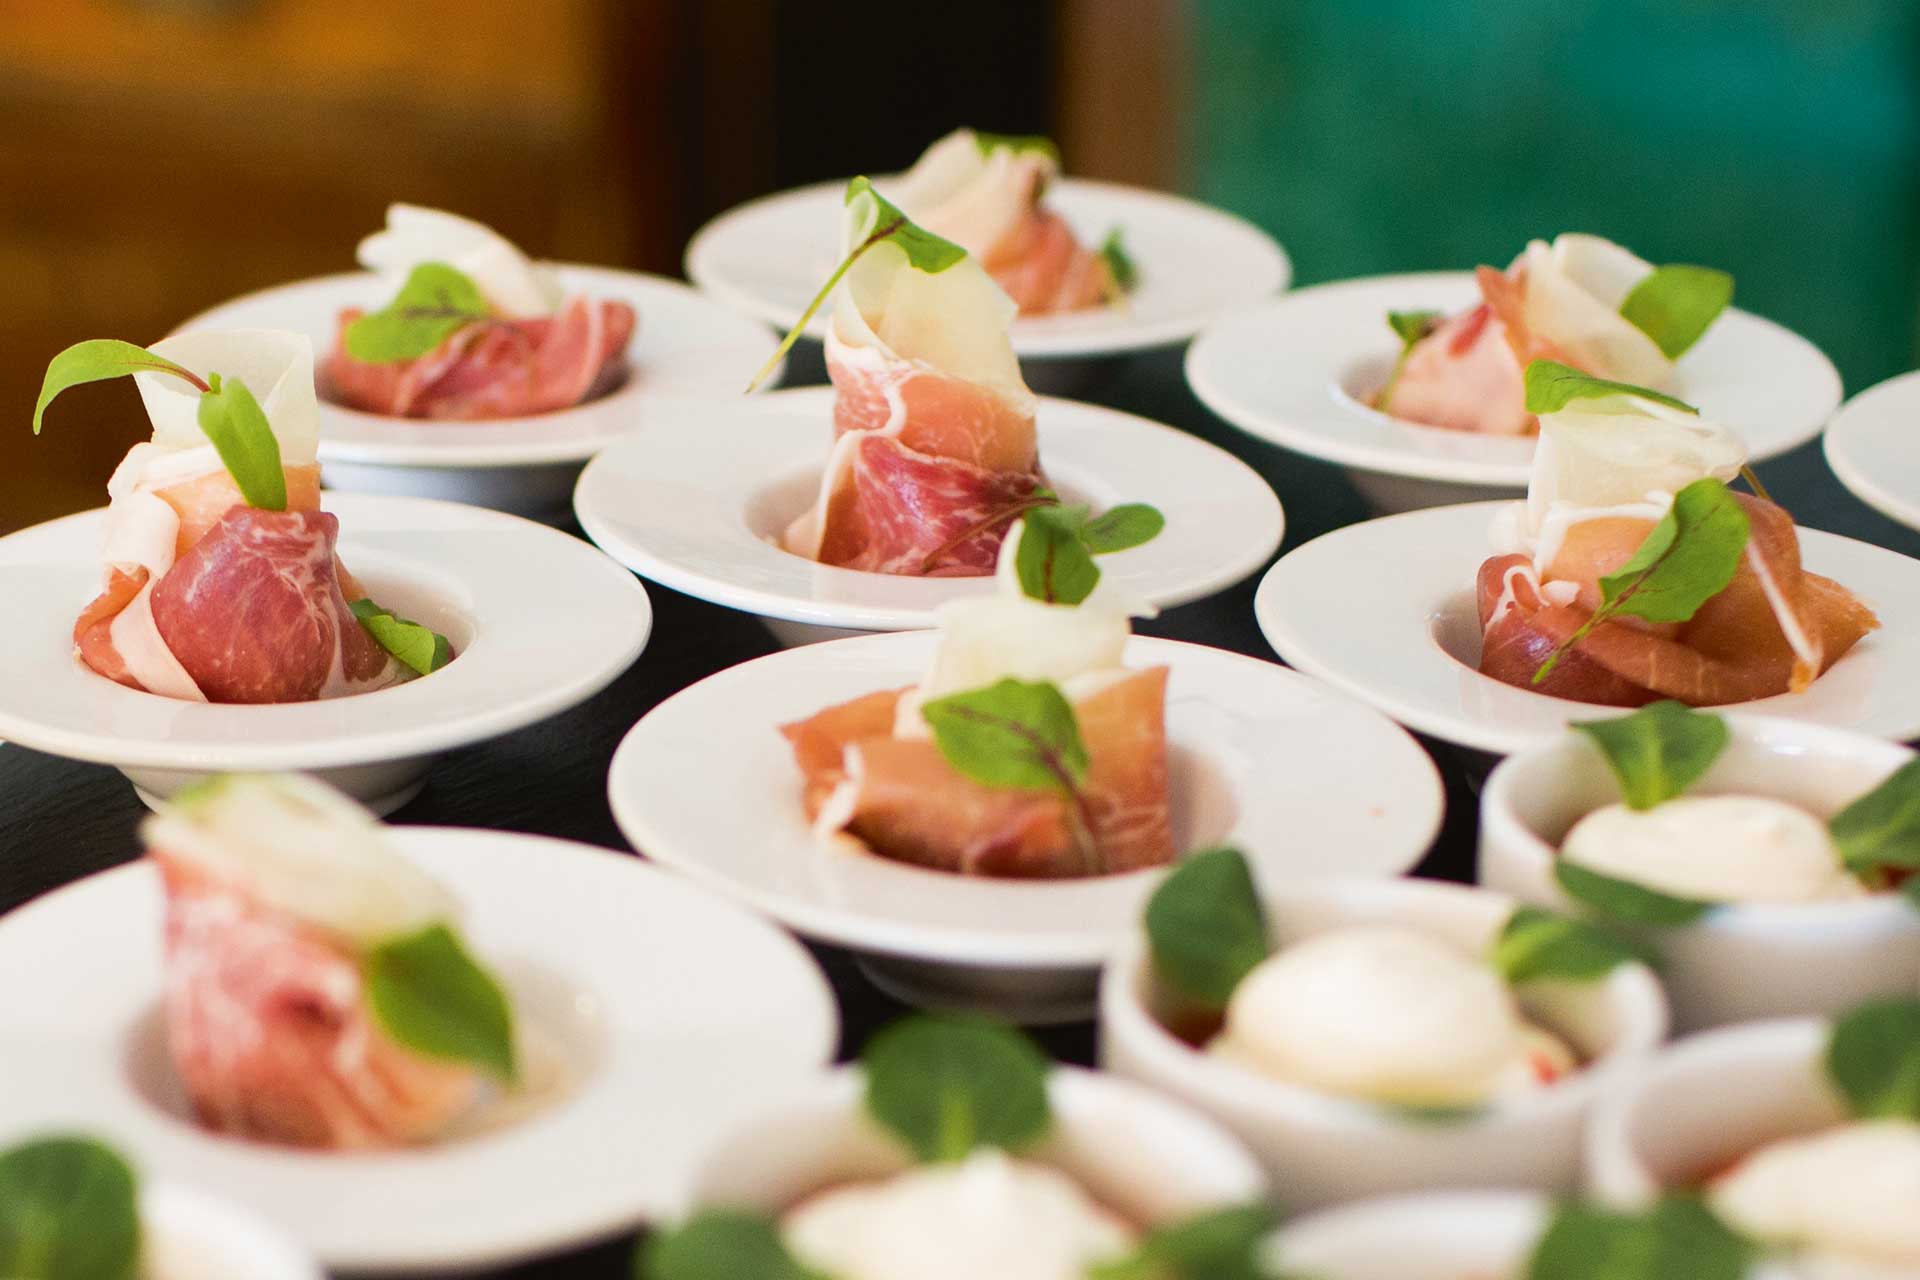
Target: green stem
(800, 325)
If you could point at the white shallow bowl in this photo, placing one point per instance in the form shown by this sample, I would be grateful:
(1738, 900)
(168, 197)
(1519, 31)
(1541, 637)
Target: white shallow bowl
(1706, 1102)
(188, 1235)
(539, 622)
(1385, 610)
(1435, 1235)
(1321, 1149)
(686, 347)
(653, 1017)
(770, 256)
(700, 504)
(1296, 372)
(1138, 1154)
(1871, 446)
(1259, 757)
(1743, 961)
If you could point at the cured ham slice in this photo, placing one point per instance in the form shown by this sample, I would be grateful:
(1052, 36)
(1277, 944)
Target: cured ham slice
(503, 368)
(935, 451)
(985, 194)
(1463, 375)
(1773, 630)
(275, 889)
(900, 797)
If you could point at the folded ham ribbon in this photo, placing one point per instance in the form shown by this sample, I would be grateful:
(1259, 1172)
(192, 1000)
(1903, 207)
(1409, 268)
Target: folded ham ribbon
(873, 772)
(1603, 477)
(1556, 302)
(207, 598)
(538, 353)
(934, 447)
(984, 194)
(266, 1010)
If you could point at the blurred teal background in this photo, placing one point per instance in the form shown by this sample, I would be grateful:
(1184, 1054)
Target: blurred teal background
(1776, 139)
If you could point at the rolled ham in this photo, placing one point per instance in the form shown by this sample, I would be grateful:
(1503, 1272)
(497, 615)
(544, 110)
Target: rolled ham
(500, 368)
(1774, 629)
(900, 798)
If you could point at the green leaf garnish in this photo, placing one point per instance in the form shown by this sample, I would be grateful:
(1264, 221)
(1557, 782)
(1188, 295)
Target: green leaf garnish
(948, 1084)
(434, 998)
(1054, 561)
(1880, 832)
(1440, 1114)
(991, 142)
(68, 1211)
(720, 1244)
(97, 360)
(925, 252)
(1207, 928)
(1121, 528)
(1120, 264)
(419, 647)
(1678, 1237)
(1014, 734)
(1659, 751)
(1675, 305)
(244, 439)
(1688, 558)
(436, 302)
(1410, 327)
(1625, 900)
(1552, 386)
(1873, 1058)
(1536, 944)
(1223, 1245)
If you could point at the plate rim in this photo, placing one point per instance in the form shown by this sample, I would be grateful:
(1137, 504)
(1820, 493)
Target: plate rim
(1858, 421)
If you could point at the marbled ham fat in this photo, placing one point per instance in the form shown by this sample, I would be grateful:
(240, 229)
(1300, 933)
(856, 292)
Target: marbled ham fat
(498, 369)
(268, 1027)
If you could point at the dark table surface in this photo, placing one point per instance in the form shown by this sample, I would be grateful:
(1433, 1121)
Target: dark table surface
(60, 820)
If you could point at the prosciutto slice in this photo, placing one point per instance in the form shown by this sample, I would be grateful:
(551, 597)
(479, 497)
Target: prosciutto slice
(503, 368)
(900, 797)
(268, 1027)
(1775, 629)
(1044, 268)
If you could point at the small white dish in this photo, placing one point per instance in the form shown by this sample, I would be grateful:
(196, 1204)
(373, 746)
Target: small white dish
(539, 622)
(653, 1018)
(699, 506)
(1742, 961)
(1320, 1149)
(1435, 1235)
(1385, 610)
(1870, 446)
(768, 258)
(1134, 1152)
(1706, 1102)
(1259, 756)
(686, 347)
(187, 1235)
(1297, 371)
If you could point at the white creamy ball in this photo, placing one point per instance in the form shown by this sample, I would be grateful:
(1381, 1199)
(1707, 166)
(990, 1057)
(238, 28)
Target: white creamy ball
(1849, 1195)
(1715, 849)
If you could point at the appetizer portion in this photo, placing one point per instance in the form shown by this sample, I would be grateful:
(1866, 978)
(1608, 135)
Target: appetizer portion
(984, 192)
(968, 1099)
(934, 451)
(1845, 1201)
(1028, 750)
(1662, 856)
(1632, 572)
(221, 579)
(318, 993)
(1581, 301)
(1380, 1013)
(473, 330)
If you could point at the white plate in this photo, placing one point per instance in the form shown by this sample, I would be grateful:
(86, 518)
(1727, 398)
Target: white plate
(1873, 445)
(1308, 782)
(668, 1016)
(1293, 372)
(770, 256)
(539, 621)
(687, 347)
(696, 505)
(1385, 610)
